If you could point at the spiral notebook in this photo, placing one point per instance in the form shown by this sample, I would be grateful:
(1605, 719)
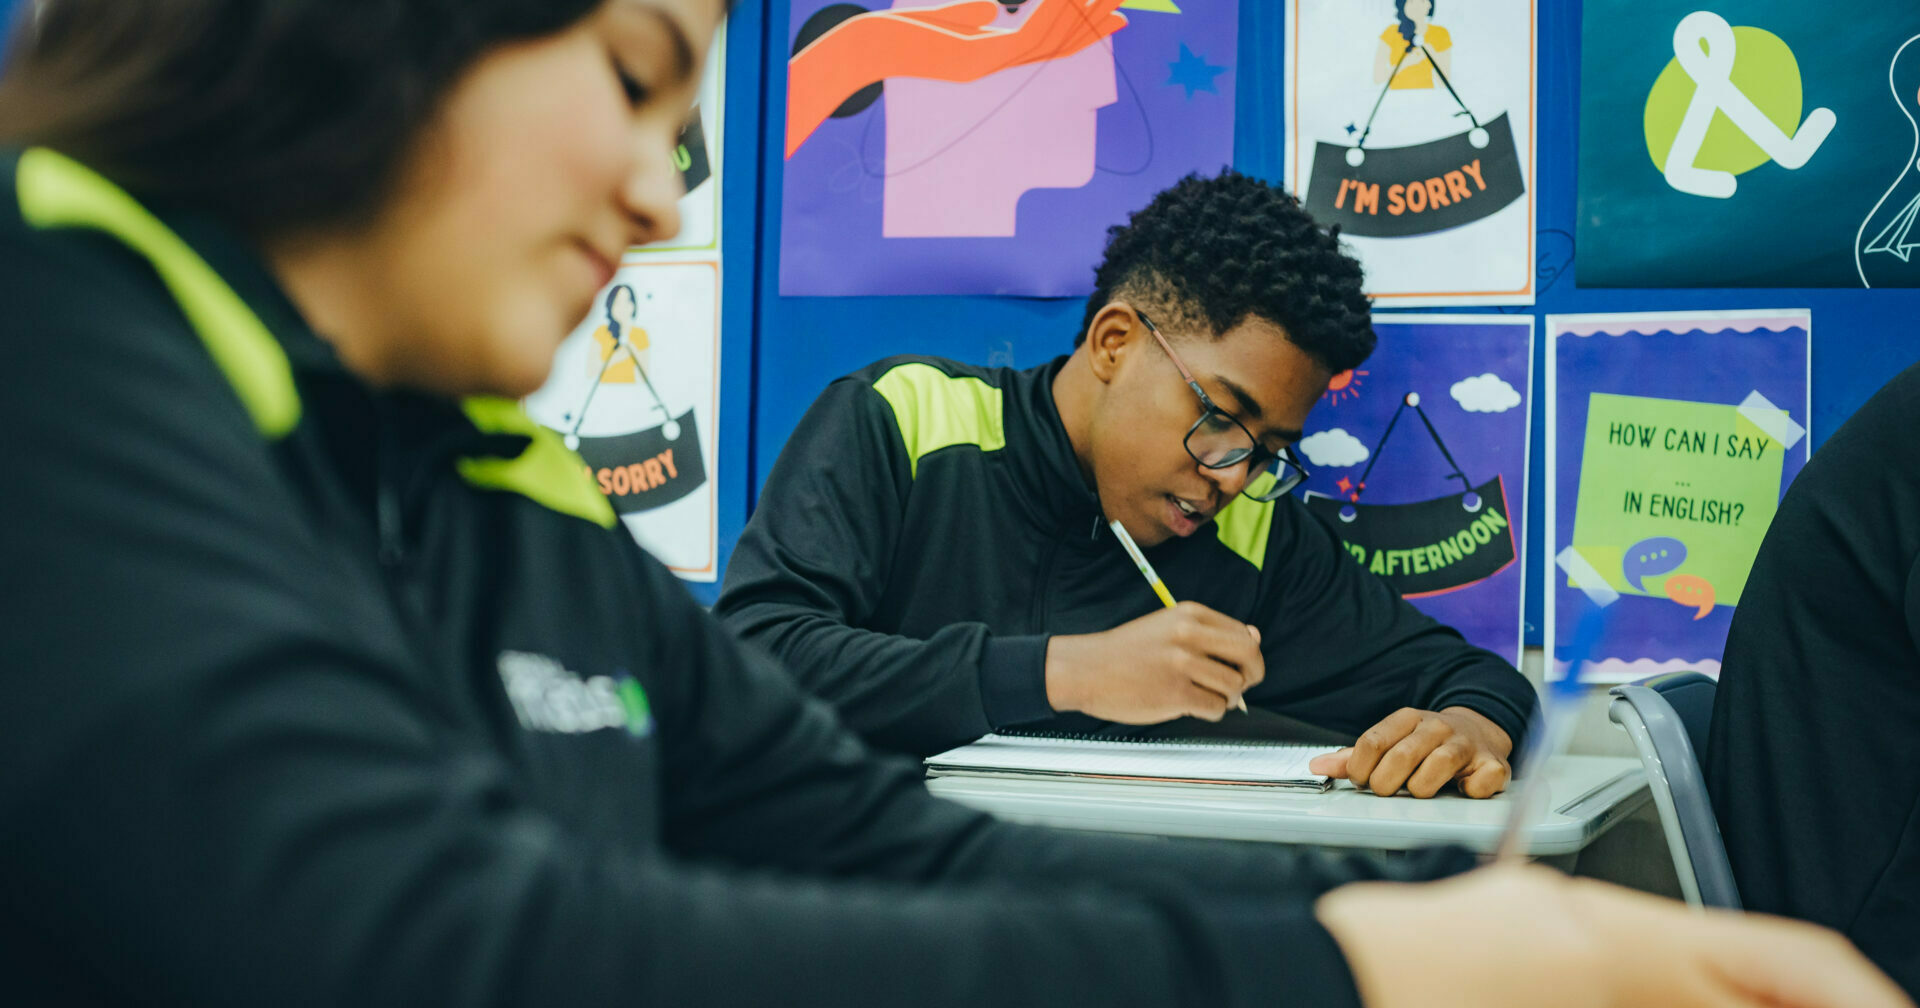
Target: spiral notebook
(1209, 763)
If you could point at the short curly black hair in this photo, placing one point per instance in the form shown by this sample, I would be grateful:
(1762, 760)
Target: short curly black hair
(1209, 253)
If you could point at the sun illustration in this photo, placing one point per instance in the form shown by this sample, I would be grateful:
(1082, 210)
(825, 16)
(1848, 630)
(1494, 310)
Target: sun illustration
(1345, 385)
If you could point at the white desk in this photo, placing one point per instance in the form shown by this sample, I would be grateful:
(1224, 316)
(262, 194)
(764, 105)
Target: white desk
(1587, 795)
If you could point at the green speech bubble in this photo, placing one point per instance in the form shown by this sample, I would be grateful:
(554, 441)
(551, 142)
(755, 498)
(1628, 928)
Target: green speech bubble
(1697, 472)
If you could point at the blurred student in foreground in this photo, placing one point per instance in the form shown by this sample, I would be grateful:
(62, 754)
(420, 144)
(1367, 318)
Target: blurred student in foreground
(1813, 760)
(331, 681)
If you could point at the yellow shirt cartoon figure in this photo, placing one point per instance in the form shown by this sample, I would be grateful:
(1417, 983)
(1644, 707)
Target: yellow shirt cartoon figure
(621, 308)
(1416, 71)
(620, 373)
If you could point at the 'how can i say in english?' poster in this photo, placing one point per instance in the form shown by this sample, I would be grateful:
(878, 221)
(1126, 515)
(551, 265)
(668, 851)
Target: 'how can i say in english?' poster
(1670, 440)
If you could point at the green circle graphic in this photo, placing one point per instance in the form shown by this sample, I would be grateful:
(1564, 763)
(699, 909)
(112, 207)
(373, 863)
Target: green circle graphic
(1763, 68)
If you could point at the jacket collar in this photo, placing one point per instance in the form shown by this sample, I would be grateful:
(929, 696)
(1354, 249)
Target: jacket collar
(490, 441)
(242, 266)
(274, 360)
(1045, 468)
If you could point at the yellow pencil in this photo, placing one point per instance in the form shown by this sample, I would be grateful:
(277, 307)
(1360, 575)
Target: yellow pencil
(1153, 578)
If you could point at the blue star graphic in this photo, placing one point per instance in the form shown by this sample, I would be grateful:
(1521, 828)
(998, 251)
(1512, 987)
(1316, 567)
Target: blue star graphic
(1352, 129)
(1193, 73)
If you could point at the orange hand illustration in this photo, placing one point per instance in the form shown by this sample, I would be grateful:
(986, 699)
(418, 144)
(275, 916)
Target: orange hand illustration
(949, 43)
(965, 16)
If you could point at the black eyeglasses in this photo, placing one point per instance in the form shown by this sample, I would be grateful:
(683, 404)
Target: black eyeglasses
(1220, 441)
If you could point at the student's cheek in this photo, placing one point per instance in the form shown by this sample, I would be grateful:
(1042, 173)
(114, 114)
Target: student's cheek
(536, 312)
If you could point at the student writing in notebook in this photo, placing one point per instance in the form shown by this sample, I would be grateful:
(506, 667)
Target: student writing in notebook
(931, 552)
(332, 681)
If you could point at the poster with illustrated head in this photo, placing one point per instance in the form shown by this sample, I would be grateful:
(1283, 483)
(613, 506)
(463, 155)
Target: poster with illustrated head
(1670, 441)
(635, 391)
(1758, 144)
(1418, 461)
(985, 146)
(1410, 126)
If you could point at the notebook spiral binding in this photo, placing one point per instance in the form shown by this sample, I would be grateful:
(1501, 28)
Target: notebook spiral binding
(1137, 740)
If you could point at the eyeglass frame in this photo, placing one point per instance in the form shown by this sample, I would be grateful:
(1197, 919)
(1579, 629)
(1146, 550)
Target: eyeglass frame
(1291, 472)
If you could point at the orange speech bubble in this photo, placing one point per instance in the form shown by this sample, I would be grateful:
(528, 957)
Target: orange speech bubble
(1692, 591)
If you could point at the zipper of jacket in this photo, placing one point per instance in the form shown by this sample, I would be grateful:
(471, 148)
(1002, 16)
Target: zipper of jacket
(1042, 585)
(396, 476)
(389, 514)
(1042, 595)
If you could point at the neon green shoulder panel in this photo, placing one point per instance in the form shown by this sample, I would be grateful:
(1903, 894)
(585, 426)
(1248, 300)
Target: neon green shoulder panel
(936, 411)
(1243, 526)
(547, 471)
(57, 192)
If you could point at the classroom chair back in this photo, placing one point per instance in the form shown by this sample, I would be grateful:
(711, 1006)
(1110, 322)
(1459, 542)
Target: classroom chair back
(1667, 717)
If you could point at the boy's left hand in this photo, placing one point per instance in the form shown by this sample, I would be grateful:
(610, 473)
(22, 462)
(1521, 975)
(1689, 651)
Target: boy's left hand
(1422, 750)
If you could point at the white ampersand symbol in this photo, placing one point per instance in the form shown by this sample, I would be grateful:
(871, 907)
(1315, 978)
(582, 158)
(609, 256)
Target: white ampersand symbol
(1703, 43)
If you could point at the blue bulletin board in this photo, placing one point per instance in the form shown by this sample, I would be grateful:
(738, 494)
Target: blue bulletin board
(779, 352)
(1860, 338)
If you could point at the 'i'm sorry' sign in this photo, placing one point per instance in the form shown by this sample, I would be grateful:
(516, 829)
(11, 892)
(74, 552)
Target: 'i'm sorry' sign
(1410, 125)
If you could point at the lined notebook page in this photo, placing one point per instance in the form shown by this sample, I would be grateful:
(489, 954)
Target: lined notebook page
(1212, 762)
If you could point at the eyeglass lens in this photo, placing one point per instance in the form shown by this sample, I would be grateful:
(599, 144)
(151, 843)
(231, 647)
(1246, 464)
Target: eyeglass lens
(1216, 441)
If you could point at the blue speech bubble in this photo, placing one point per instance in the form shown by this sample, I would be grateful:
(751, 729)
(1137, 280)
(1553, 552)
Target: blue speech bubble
(1652, 556)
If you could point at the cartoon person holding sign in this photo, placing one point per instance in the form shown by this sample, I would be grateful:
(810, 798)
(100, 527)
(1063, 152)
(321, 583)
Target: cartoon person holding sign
(620, 335)
(1405, 46)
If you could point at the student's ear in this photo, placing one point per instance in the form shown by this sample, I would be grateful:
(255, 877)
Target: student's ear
(1114, 332)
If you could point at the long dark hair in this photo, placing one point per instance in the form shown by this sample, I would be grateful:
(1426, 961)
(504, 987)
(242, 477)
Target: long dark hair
(270, 116)
(1406, 23)
(613, 324)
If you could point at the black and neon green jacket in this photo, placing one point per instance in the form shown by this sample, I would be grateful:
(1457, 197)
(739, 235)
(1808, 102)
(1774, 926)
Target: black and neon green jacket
(317, 694)
(927, 528)
(1813, 758)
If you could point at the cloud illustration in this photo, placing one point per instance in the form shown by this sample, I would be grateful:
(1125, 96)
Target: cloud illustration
(1486, 393)
(1333, 449)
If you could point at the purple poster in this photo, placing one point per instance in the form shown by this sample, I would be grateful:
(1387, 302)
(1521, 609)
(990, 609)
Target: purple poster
(1419, 461)
(1670, 440)
(985, 147)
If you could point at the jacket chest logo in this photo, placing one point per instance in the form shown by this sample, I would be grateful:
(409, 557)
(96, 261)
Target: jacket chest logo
(549, 697)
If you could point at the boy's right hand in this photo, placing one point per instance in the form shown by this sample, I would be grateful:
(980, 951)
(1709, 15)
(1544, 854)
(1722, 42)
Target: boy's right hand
(1187, 660)
(1529, 936)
